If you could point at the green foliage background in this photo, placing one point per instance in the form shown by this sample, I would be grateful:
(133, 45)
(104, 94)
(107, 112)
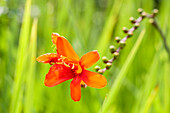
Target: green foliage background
(138, 81)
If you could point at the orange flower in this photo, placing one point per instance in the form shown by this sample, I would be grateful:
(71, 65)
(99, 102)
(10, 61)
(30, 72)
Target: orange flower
(67, 65)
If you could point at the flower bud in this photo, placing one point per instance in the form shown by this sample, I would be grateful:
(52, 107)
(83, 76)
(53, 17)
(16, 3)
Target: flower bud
(122, 44)
(151, 21)
(137, 25)
(112, 49)
(105, 60)
(116, 54)
(155, 11)
(108, 65)
(117, 39)
(125, 30)
(130, 34)
(140, 10)
(100, 71)
(143, 14)
(97, 68)
(132, 19)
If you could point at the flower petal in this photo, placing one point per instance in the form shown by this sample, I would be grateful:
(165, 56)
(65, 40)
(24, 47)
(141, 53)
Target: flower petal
(64, 48)
(93, 79)
(89, 59)
(54, 37)
(75, 89)
(48, 58)
(57, 74)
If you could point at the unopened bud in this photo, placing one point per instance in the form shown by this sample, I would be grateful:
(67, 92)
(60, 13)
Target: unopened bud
(143, 14)
(122, 44)
(137, 25)
(105, 60)
(117, 39)
(108, 65)
(151, 21)
(155, 11)
(125, 30)
(112, 49)
(100, 71)
(97, 68)
(140, 10)
(116, 54)
(132, 19)
(130, 34)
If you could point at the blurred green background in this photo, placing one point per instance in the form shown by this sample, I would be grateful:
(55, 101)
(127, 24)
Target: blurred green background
(138, 81)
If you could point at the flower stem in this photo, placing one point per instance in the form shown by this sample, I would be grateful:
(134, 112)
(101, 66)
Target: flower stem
(155, 24)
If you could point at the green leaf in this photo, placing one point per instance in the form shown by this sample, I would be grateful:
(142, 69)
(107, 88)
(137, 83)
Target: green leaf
(21, 59)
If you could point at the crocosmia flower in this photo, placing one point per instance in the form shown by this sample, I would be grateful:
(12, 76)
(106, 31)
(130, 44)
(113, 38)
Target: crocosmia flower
(67, 65)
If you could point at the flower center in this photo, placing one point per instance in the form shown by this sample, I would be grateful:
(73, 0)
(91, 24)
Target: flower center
(73, 65)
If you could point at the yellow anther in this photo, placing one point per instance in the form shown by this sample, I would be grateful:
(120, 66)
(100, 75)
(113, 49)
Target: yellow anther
(59, 63)
(72, 67)
(66, 65)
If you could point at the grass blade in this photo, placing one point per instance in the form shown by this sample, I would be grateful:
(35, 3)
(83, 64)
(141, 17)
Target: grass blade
(20, 62)
(166, 86)
(108, 28)
(150, 99)
(31, 68)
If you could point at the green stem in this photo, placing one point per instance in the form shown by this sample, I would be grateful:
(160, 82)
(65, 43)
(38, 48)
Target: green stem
(155, 24)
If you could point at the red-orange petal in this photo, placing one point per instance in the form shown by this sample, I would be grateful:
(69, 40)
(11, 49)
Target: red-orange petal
(47, 58)
(57, 74)
(64, 48)
(54, 37)
(93, 79)
(75, 89)
(89, 59)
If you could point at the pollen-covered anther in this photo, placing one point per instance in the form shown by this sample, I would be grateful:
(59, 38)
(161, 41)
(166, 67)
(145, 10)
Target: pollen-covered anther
(66, 65)
(72, 66)
(60, 59)
(59, 63)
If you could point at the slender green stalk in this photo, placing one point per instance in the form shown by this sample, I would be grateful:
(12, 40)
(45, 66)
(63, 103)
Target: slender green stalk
(166, 87)
(31, 69)
(21, 58)
(148, 86)
(122, 74)
(109, 26)
(150, 99)
(155, 24)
